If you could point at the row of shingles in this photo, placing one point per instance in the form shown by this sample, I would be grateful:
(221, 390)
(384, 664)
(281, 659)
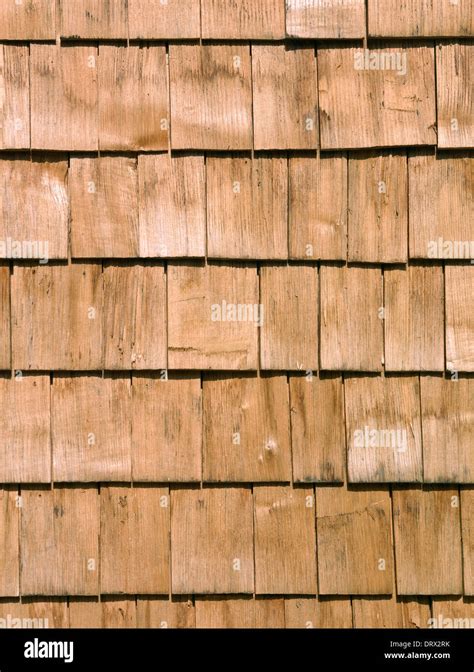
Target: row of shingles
(236, 429)
(236, 316)
(239, 612)
(267, 540)
(330, 208)
(232, 97)
(244, 19)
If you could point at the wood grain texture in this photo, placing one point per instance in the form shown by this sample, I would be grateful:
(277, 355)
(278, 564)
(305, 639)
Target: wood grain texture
(25, 445)
(289, 335)
(119, 613)
(455, 104)
(243, 612)
(447, 419)
(354, 536)
(164, 613)
(317, 429)
(32, 20)
(285, 103)
(91, 429)
(64, 97)
(175, 19)
(459, 317)
(85, 613)
(241, 192)
(452, 612)
(204, 329)
(285, 541)
(243, 20)
(317, 207)
(49, 612)
(15, 92)
(66, 299)
(377, 208)
(325, 20)
(166, 419)
(309, 612)
(10, 536)
(246, 429)
(391, 612)
(60, 541)
(34, 208)
(351, 328)
(467, 520)
(376, 108)
(104, 207)
(212, 541)
(5, 318)
(427, 531)
(441, 205)
(93, 19)
(134, 540)
(420, 18)
(133, 101)
(384, 441)
(172, 205)
(134, 316)
(211, 97)
(414, 319)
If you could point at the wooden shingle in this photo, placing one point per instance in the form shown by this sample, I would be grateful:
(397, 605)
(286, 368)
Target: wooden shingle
(289, 334)
(60, 541)
(414, 319)
(317, 207)
(212, 541)
(32, 20)
(93, 19)
(46, 612)
(377, 208)
(459, 317)
(455, 104)
(285, 101)
(317, 429)
(211, 97)
(241, 192)
(427, 530)
(367, 107)
(135, 316)
(246, 429)
(354, 531)
(25, 446)
(104, 207)
(85, 612)
(119, 613)
(331, 19)
(9, 533)
(134, 540)
(309, 612)
(166, 428)
(383, 429)
(467, 520)
(213, 316)
(34, 208)
(67, 299)
(243, 20)
(285, 541)
(5, 311)
(391, 612)
(452, 612)
(133, 101)
(351, 324)
(446, 407)
(172, 206)
(420, 18)
(170, 20)
(15, 106)
(441, 206)
(64, 97)
(241, 612)
(165, 613)
(91, 429)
